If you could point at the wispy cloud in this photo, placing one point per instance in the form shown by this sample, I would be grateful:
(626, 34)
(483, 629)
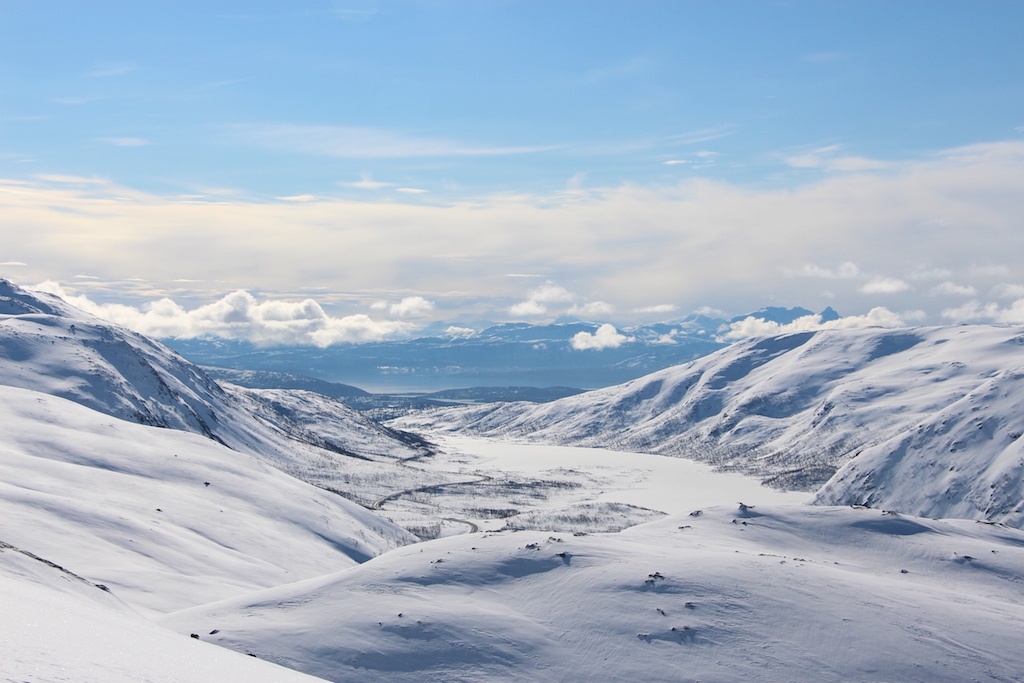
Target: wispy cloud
(126, 142)
(951, 288)
(366, 182)
(112, 69)
(627, 69)
(657, 308)
(364, 143)
(845, 271)
(884, 285)
(825, 158)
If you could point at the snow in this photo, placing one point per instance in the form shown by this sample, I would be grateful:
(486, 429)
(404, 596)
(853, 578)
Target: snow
(669, 485)
(140, 502)
(769, 593)
(58, 627)
(883, 411)
(128, 505)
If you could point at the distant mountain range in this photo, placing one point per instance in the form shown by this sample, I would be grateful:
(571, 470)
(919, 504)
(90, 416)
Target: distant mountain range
(505, 354)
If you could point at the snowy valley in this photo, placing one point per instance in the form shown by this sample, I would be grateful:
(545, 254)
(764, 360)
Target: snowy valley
(141, 502)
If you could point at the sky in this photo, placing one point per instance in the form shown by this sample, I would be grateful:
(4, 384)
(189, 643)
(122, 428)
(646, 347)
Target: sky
(363, 168)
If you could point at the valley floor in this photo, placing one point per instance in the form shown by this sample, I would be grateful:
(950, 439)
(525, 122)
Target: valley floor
(506, 485)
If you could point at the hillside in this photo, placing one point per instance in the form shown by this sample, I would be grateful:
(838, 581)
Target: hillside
(772, 593)
(49, 346)
(899, 406)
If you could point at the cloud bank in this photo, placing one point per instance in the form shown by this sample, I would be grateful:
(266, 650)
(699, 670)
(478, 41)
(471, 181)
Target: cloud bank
(240, 316)
(754, 327)
(853, 241)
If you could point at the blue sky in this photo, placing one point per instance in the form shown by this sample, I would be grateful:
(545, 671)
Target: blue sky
(687, 154)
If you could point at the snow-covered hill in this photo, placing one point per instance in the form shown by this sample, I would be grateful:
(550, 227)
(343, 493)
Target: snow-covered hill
(777, 593)
(57, 626)
(926, 420)
(52, 347)
(327, 422)
(163, 517)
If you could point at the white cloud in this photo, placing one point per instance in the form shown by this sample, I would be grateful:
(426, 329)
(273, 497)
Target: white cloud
(528, 308)
(547, 293)
(884, 285)
(755, 327)
(990, 271)
(410, 190)
(975, 311)
(300, 198)
(459, 332)
(710, 312)
(845, 271)
(551, 294)
(593, 309)
(931, 274)
(954, 289)
(606, 337)
(1003, 291)
(240, 316)
(657, 308)
(13, 263)
(824, 158)
(411, 306)
(855, 164)
(696, 242)
(673, 162)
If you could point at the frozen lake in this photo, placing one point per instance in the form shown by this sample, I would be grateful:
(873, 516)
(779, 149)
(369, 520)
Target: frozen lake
(503, 476)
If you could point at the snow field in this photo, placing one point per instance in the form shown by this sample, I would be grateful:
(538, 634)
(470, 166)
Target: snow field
(776, 593)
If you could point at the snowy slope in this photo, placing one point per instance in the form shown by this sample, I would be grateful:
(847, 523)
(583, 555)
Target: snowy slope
(57, 626)
(165, 518)
(314, 418)
(779, 593)
(49, 346)
(795, 408)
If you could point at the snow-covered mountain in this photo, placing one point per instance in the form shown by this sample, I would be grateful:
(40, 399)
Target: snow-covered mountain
(46, 345)
(505, 354)
(925, 420)
(786, 593)
(124, 459)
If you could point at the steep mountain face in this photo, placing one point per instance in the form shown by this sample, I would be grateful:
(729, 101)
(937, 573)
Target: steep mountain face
(897, 405)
